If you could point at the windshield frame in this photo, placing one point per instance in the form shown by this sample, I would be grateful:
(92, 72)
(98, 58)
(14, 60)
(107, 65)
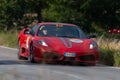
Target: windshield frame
(81, 33)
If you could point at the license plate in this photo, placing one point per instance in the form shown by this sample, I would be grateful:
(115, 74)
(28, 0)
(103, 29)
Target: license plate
(68, 54)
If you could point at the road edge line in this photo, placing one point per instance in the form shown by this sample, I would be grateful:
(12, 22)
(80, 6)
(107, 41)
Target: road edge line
(8, 48)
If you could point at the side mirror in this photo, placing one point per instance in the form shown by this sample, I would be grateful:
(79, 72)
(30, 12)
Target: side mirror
(27, 32)
(92, 36)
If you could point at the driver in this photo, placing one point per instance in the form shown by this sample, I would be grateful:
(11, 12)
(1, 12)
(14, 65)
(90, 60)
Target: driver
(44, 32)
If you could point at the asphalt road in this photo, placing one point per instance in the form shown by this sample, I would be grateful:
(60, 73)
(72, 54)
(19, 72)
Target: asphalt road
(13, 69)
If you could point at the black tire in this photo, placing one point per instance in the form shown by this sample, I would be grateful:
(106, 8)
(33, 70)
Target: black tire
(18, 54)
(31, 57)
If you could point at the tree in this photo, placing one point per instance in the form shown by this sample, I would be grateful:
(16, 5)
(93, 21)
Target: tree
(65, 11)
(102, 12)
(11, 11)
(36, 6)
(91, 15)
(62, 10)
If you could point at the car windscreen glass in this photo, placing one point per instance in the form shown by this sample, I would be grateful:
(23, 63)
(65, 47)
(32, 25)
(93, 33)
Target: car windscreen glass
(63, 31)
(32, 32)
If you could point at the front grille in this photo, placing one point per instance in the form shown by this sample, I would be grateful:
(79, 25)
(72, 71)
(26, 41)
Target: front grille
(87, 58)
(49, 55)
(69, 58)
(55, 57)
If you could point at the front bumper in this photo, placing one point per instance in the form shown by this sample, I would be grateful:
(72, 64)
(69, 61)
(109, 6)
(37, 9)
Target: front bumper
(80, 57)
(90, 56)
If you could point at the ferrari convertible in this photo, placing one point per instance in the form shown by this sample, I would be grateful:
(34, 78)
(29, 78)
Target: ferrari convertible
(60, 42)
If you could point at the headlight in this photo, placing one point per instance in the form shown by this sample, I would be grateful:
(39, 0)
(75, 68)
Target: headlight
(93, 45)
(43, 43)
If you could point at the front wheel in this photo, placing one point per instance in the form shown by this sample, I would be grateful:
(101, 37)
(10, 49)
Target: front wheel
(18, 55)
(31, 57)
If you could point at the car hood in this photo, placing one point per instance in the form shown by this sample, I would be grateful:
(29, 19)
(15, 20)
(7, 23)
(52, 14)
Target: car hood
(67, 44)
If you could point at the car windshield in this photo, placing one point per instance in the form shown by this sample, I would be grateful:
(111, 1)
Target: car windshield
(61, 31)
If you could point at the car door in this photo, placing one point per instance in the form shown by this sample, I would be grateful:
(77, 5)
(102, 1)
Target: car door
(33, 36)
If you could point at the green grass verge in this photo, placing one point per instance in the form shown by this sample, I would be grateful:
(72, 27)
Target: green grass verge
(2, 76)
(9, 38)
(117, 59)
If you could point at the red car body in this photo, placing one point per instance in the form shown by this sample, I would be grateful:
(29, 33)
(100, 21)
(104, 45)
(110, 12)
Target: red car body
(56, 48)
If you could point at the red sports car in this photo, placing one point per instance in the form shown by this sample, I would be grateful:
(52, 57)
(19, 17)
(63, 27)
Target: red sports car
(57, 42)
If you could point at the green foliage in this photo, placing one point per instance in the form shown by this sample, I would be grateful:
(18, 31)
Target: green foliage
(109, 36)
(36, 6)
(106, 56)
(109, 57)
(11, 12)
(117, 59)
(62, 11)
(103, 12)
(91, 15)
(9, 39)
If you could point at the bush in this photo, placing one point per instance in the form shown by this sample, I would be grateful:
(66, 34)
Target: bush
(109, 51)
(106, 56)
(117, 59)
(109, 57)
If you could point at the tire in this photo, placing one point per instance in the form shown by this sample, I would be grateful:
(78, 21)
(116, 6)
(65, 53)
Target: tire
(18, 54)
(31, 57)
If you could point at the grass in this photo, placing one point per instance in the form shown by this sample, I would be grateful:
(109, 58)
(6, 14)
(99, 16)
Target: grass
(1, 76)
(109, 50)
(9, 38)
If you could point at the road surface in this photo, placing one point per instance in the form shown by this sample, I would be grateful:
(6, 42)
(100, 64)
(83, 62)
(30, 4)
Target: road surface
(13, 69)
